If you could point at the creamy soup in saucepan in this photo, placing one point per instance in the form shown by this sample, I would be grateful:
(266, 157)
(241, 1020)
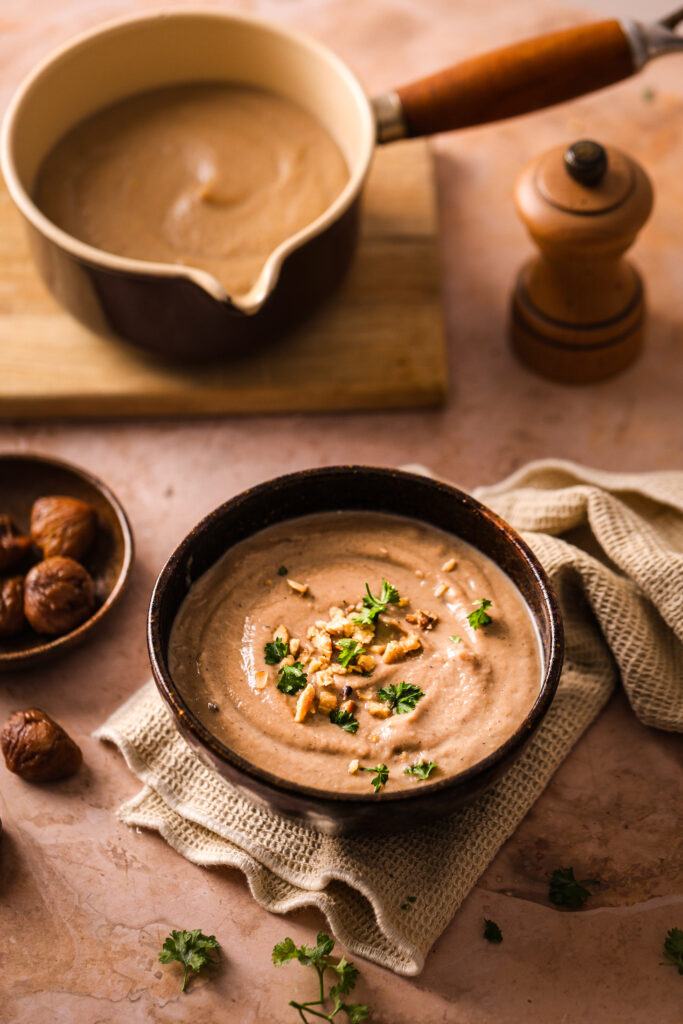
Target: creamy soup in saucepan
(213, 176)
(357, 651)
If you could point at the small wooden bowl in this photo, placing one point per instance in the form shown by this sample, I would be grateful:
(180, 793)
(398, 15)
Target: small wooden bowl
(23, 478)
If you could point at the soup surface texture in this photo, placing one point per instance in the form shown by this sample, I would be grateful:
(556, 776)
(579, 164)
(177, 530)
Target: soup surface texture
(213, 176)
(267, 652)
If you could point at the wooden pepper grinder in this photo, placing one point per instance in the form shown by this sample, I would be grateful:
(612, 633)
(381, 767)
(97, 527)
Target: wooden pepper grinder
(577, 308)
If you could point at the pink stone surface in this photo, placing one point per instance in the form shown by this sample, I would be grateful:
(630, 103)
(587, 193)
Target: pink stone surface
(86, 902)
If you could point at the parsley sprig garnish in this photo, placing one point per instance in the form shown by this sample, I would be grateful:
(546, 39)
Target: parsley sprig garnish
(422, 769)
(566, 891)
(292, 678)
(479, 616)
(381, 776)
(190, 949)
(492, 932)
(350, 651)
(318, 957)
(402, 698)
(372, 606)
(276, 651)
(673, 949)
(345, 720)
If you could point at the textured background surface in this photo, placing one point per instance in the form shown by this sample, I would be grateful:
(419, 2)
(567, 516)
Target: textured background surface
(84, 901)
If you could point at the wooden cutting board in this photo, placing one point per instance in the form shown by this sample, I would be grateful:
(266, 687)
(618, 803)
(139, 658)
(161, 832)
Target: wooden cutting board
(378, 343)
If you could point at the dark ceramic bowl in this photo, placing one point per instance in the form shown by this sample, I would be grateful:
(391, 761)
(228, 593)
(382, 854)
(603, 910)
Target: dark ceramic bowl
(23, 478)
(377, 490)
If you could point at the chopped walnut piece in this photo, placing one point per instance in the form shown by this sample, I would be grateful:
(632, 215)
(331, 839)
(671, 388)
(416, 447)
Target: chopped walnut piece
(373, 707)
(315, 664)
(423, 620)
(322, 642)
(294, 645)
(288, 660)
(348, 705)
(366, 694)
(338, 626)
(378, 648)
(365, 662)
(397, 649)
(327, 701)
(353, 766)
(411, 642)
(300, 588)
(393, 652)
(420, 575)
(325, 677)
(261, 679)
(449, 565)
(305, 703)
(281, 633)
(440, 590)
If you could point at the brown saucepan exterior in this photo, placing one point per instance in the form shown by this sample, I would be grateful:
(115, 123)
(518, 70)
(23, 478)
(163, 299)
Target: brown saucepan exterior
(381, 490)
(184, 312)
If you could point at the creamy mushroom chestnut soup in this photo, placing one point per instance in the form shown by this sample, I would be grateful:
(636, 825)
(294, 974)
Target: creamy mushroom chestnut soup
(354, 651)
(209, 175)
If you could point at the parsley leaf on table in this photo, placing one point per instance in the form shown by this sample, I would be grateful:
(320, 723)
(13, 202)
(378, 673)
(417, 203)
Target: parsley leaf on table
(350, 650)
(566, 891)
(422, 769)
(345, 720)
(318, 957)
(347, 977)
(276, 651)
(492, 932)
(381, 776)
(372, 606)
(292, 678)
(402, 698)
(673, 949)
(479, 616)
(190, 949)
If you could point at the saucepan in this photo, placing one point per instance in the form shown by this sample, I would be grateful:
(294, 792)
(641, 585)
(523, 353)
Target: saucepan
(184, 311)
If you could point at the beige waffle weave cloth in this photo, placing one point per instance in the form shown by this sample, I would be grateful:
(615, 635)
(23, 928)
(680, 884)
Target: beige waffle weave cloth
(613, 547)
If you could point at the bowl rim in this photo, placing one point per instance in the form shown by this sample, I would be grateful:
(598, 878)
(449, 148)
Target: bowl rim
(169, 691)
(263, 287)
(27, 656)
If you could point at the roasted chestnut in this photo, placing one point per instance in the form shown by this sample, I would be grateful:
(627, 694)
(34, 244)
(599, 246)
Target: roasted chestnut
(58, 595)
(38, 749)
(11, 606)
(63, 526)
(13, 546)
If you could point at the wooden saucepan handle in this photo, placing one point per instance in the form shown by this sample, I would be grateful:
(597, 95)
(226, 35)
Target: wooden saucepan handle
(517, 79)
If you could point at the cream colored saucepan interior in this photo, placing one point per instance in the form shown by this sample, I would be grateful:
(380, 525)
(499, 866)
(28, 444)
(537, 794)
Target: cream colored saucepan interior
(138, 299)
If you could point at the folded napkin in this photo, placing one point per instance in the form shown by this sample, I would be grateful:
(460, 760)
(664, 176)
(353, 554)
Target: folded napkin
(613, 547)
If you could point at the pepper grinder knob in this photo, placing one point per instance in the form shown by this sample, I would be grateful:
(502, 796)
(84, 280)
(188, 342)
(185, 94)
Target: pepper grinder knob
(577, 307)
